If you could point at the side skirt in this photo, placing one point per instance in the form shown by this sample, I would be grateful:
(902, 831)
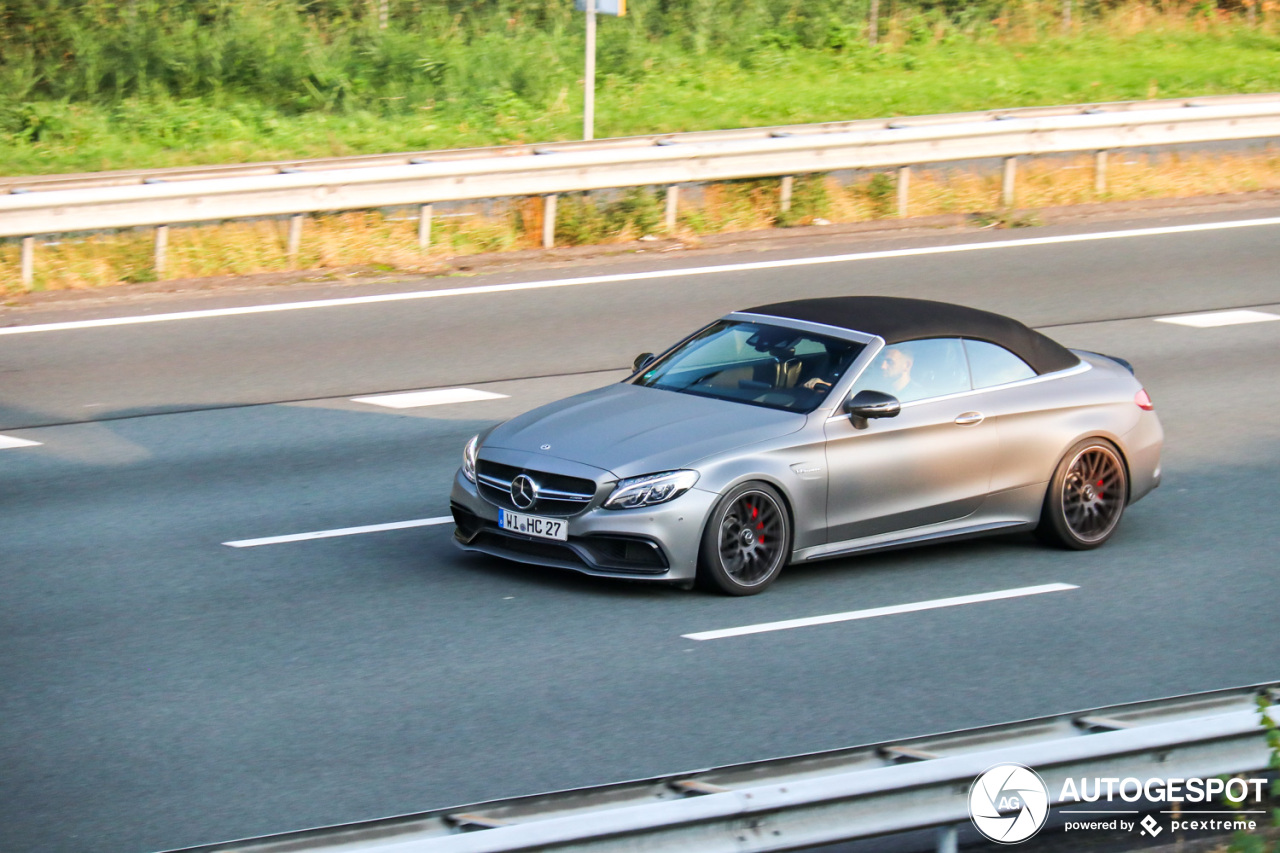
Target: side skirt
(915, 536)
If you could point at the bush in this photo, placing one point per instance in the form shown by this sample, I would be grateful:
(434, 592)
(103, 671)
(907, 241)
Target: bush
(582, 221)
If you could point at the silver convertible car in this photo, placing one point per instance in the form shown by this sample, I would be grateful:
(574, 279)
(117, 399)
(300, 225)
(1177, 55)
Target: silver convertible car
(811, 429)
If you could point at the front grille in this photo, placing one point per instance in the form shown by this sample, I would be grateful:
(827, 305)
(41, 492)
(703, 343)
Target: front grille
(558, 495)
(602, 553)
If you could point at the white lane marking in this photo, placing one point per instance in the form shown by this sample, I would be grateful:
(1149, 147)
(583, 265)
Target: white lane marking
(1219, 318)
(640, 276)
(414, 399)
(342, 531)
(8, 441)
(851, 615)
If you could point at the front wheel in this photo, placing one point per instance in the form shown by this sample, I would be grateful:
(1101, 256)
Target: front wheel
(746, 542)
(1086, 497)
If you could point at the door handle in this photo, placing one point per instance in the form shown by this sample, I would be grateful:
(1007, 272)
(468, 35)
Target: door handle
(970, 418)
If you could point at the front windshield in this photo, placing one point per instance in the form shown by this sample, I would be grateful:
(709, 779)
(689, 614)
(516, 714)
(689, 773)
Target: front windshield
(755, 363)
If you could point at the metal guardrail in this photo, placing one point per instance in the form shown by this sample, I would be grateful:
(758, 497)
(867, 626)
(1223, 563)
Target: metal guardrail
(667, 161)
(31, 183)
(793, 803)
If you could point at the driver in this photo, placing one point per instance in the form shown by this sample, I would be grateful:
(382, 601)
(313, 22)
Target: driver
(893, 368)
(894, 365)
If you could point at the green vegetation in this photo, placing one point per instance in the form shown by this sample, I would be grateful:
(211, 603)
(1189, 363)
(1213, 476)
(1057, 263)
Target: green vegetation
(89, 85)
(1263, 841)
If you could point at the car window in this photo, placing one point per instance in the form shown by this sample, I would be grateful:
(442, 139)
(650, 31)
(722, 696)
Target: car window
(717, 347)
(754, 363)
(915, 370)
(994, 365)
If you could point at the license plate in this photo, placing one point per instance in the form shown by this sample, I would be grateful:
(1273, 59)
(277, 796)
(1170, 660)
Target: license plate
(533, 525)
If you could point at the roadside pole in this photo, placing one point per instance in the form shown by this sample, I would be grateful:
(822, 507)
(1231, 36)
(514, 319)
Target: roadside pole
(594, 8)
(589, 80)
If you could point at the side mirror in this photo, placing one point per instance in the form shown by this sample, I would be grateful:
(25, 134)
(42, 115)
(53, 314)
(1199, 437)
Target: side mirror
(642, 361)
(871, 404)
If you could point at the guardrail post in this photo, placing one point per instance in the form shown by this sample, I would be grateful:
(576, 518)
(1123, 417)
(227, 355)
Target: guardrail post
(948, 839)
(28, 261)
(1100, 172)
(784, 195)
(424, 226)
(904, 189)
(673, 207)
(549, 221)
(162, 249)
(1007, 195)
(295, 235)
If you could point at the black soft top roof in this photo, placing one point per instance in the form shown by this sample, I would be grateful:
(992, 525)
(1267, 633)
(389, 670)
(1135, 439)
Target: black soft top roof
(897, 319)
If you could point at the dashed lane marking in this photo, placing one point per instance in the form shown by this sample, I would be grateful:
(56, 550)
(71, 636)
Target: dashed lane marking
(342, 531)
(1219, 318)
(8, 441)
(414, 399)
(852, 615)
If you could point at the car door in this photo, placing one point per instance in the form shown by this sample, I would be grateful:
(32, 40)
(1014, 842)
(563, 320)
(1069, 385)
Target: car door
(1030, 416)
(930, 464)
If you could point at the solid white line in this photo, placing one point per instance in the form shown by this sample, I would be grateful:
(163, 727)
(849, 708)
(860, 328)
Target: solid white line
(640, 276)
(414, 399)
(342, 531)
(851, 615)
(1219, 318)
(8, 441)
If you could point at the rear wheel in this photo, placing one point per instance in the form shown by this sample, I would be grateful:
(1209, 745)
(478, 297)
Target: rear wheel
(1086, 497)
(746, 542)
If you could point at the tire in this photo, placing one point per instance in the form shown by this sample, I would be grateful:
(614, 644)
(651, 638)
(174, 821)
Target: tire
(1086, 496)
(746, 542)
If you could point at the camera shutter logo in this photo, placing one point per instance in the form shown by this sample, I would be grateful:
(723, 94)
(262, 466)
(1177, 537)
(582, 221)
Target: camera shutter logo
(1009, 803)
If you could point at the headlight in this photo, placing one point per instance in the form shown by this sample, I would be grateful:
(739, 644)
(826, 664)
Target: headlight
(651, 489)
(469, 458)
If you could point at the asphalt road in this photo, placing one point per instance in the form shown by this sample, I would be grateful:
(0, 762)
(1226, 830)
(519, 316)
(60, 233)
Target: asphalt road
(159, 688)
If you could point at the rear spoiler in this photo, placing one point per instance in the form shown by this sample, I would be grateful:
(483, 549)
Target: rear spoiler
(1117, 359)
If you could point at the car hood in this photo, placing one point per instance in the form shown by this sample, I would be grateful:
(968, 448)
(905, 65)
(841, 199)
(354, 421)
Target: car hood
(630, 430)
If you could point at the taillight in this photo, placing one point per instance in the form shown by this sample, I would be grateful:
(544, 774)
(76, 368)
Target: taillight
(1143, 399)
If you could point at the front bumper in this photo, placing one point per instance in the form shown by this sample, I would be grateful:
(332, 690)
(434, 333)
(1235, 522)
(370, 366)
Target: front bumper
(658, 543)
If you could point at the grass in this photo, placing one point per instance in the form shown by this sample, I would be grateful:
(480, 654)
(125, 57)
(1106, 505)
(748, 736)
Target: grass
(378, 241)
(495, 89)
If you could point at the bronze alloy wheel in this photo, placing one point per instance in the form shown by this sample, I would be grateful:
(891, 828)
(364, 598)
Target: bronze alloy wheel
(1086, 497)
(747, 541)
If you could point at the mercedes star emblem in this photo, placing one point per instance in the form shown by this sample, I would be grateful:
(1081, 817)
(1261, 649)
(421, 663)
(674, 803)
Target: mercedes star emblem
(524, 492)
